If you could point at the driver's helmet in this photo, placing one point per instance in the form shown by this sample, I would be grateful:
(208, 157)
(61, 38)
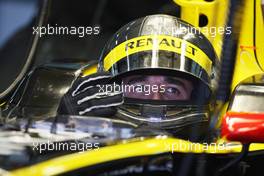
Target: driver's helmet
(166, 69)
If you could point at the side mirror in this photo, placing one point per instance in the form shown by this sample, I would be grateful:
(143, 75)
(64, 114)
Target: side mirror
(244, 120)
(243, 127)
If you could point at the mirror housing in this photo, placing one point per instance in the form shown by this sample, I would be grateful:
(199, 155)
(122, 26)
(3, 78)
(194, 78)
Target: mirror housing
(243, 127)
(244, 120)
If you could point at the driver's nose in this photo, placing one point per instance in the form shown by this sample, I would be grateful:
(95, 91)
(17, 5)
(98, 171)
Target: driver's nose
(156, 96)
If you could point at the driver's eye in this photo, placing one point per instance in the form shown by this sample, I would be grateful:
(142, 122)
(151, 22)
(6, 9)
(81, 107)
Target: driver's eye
(172, 90)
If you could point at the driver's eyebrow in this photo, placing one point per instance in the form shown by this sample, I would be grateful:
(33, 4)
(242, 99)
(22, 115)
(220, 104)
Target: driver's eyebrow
(136, 79)
(172, 80)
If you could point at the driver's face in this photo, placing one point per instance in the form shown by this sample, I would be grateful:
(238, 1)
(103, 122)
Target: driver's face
(166, 87)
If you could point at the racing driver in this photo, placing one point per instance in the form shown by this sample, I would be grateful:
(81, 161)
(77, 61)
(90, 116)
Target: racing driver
(156, 71)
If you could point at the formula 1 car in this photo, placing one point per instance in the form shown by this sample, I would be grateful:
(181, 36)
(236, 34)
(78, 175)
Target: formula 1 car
(35, 140)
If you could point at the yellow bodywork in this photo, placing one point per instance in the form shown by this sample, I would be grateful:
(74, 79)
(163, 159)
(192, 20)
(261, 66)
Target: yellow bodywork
(142, 147)
(216, 13)
(246, 64)
(89, 70)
